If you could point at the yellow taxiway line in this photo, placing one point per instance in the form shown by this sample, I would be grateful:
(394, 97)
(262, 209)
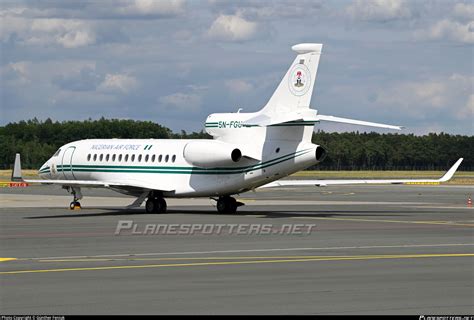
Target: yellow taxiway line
(227, 263)
(7, 259)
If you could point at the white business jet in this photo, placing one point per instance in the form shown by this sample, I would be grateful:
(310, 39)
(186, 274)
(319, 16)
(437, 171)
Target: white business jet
(248, 151)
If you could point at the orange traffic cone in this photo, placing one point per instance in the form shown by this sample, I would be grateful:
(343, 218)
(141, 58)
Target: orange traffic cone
(469, 202)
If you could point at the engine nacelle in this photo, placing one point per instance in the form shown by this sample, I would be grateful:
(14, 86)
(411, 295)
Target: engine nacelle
(320, 154)
(212, 153)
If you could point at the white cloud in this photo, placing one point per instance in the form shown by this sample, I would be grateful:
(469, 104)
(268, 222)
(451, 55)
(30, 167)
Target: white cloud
(379, 10)
(275, 9)
(182, 101)
(238, 86)
(68, 33)
(64, 32)
(104, 9)
(152, 7)
(17, 73)
(232, 28)
(464, 10)
(118, 83)
(418, 99)
(76, 39)
(85, 79)
(449, 30)
(456, 25)
(12, 25)
(468, 111)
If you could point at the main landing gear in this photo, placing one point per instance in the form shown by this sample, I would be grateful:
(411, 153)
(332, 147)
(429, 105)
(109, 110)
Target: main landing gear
(155, 203)
(227, 204)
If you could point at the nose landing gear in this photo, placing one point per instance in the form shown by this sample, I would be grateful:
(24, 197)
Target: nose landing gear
(75, 205)
(77, 195)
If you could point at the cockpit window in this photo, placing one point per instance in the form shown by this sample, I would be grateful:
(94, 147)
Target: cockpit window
(57, 153)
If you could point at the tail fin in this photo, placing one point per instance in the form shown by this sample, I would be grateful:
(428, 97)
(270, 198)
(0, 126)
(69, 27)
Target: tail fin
(295, 90)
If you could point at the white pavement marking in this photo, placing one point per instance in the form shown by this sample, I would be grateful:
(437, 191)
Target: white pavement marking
(259, 250)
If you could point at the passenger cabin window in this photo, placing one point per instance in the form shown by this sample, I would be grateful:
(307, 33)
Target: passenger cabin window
(107, 157)
(126, 157)
(173, 159)
(95, 157)
(160, 158)
(101, 157)
(167, 158)
(113, 158)
(153, 157)
(132, 158)
(89, 157)
(140, 158)
(146, 158)
(120, 158)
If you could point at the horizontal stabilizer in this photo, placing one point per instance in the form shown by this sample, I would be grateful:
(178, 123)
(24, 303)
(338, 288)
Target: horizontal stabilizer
(322, 183)
(357, 122)
(263, 120)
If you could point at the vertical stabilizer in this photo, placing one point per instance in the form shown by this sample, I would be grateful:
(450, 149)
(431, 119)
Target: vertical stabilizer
(295, 90)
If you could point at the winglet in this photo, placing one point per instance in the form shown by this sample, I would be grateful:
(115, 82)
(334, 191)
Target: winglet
(448, 175)
(16, 173)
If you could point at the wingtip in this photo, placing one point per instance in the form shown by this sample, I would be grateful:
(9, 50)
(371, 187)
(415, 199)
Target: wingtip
(16, 172)
(448, 175)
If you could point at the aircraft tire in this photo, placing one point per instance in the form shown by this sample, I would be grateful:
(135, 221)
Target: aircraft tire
(150, 206)
(226, 205)
(160, 205)
(74, 205)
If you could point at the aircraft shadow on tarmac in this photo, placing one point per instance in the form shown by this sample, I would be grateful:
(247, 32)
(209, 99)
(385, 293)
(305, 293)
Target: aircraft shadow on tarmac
(274, 214)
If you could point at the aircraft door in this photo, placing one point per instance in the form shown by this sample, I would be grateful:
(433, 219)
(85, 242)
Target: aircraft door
(67, 163)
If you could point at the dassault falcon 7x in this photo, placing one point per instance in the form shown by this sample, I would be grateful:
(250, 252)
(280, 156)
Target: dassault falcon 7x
(248, 151)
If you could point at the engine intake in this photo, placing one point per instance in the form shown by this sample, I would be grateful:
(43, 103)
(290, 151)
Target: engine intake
(320, 153)
(212, 153)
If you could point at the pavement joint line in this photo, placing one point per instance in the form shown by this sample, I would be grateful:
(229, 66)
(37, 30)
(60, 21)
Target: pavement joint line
(444, 223)
(340, 258)
(257, 250)
(236, 258)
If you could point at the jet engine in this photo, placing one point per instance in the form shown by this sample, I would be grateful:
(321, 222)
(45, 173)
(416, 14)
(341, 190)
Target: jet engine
(212, 153)
(320, 154)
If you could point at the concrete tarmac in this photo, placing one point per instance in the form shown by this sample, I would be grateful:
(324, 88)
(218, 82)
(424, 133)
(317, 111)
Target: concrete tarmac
(370, 250)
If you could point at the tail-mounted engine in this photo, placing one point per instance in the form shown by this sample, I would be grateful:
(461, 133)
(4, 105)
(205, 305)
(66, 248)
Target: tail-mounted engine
(212, 153)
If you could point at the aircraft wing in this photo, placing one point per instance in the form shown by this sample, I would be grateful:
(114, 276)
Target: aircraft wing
(322, 183)
(103, 184)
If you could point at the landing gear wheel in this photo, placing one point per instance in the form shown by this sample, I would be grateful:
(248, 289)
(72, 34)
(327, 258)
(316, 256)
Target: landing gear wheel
(160, 205)
(150, 206)
(77, 195)
(75, 205)
(157, 205)
(227, 205)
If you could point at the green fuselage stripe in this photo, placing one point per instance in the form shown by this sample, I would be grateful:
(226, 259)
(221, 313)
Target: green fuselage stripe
(179, 170)
(285, 124)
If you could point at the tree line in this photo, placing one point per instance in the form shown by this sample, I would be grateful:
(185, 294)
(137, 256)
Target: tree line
(38, 140)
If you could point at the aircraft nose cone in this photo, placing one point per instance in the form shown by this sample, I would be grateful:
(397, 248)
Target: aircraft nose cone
(44, 169)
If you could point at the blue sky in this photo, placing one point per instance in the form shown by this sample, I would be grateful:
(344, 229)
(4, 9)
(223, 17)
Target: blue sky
(174, 62)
